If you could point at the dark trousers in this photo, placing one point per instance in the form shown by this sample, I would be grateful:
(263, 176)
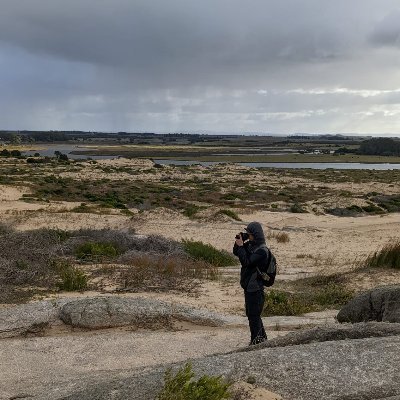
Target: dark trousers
(254, 303)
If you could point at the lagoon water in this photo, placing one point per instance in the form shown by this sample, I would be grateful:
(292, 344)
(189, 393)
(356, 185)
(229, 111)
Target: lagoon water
(48, 150)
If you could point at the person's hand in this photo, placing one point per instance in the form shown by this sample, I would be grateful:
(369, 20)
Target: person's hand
(239, 242)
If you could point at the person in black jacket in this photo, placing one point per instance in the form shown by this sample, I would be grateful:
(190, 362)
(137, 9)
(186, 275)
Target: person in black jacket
(252, 253)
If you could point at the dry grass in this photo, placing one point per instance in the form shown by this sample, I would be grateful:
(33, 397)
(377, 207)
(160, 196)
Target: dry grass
(387, 257)
(46, 260)
(159, 273)
(280, 237)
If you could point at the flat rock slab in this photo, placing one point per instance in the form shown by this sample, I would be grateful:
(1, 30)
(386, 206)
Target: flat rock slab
(379, 304)
(328, 333)
(27, 318)
(347, 370)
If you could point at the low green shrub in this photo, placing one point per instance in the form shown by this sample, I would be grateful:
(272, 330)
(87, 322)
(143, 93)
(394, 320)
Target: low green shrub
(96, 250)
(82, 208)
(62, 235)
(208, 253)
(284, 303)
(71, 278)
(191, 210)
(4, 229)
(387, 257)
(297, 208)
(321, 281)
(230, 196)
(183, 386)
(331, 295)
(230, 214)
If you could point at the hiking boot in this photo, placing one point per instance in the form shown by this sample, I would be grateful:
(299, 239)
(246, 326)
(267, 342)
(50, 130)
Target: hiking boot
(257, 340)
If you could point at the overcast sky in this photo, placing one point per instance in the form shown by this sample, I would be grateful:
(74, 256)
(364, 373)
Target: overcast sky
(279, 66)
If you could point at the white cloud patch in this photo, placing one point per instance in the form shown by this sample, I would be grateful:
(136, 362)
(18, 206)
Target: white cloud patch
(354, 92)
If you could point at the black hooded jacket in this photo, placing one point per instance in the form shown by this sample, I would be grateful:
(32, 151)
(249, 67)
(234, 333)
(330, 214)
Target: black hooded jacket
(251, 256)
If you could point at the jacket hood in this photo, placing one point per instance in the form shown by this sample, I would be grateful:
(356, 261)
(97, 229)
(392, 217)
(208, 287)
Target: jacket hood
(256, 230)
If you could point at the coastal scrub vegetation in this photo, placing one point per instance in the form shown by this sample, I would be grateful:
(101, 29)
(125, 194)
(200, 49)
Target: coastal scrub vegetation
(231, 214)
(126, 189)
(157, 273)
(206, 252)
(46, 260)
(312, 294)
(182, 385)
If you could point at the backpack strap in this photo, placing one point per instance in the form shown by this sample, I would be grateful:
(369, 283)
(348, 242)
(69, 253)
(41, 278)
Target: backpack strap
(264, 276)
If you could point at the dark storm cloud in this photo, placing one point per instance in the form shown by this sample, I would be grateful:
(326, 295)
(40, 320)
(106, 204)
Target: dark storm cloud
(387, 32)
(180, 38)
(186, 64)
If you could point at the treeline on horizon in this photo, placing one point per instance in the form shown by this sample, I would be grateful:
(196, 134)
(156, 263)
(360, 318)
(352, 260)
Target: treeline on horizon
(374, 147)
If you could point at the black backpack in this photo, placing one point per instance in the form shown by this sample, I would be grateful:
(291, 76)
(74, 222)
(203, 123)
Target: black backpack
(268, 271)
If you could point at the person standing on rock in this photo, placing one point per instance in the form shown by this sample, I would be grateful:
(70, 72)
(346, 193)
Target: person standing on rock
(253, 254)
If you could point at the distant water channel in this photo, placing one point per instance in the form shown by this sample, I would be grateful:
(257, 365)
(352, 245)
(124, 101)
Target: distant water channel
(48, 150)
(288, 165)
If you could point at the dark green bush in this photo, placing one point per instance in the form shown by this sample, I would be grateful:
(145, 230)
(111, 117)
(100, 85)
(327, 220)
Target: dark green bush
(71, 278)
(191, 210)
(230, 214)
(333, 295)
(297, 208)
(183, 386)
(284, 303)
(231, 196)
(96, 250)
(208, 253)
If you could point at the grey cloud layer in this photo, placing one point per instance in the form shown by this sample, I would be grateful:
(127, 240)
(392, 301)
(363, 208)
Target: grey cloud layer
(156, 64)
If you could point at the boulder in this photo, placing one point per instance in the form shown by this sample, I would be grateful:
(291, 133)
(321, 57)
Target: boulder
(379, 304)
(113, 311)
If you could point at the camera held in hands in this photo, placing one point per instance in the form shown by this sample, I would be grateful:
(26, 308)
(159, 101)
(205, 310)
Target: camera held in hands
(243, 235)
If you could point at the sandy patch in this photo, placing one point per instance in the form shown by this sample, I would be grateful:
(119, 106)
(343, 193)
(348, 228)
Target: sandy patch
(250, 392)
(11, 193)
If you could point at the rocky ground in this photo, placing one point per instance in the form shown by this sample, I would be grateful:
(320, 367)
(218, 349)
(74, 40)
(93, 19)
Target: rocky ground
(110, 347)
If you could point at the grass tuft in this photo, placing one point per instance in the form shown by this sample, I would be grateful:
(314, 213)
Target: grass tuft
(387, 257)
(280, 237)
